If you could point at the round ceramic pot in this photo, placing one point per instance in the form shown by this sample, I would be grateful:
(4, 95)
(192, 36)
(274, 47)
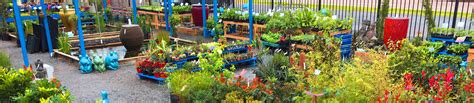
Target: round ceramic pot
(132, 38)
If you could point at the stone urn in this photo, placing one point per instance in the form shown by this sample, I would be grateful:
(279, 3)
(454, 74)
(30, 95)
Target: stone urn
(132, 38)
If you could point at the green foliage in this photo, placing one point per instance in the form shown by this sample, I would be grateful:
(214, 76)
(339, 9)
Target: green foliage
(100, 23)
(210, 24)
(181, 9)
(429, 15)
(63, 43)
(261, 18)
(271, 37)
(303, 38)
(28, 24)
(4, 60)
(383, 13)
(144, 24)
(450, 60)
(411, 58)
(44, 89)
(304, 17)
(213, 61)
(175, 20)
(73, 21)
(458, 48)
(163, 36)
(275, 70)
(13, 83)
(3, 13)
(437, 46)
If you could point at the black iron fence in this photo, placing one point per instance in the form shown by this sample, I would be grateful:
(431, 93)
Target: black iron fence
(447, 13)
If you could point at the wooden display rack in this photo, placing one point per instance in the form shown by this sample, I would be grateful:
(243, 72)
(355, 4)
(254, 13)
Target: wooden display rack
(235, 36)
(157, 22)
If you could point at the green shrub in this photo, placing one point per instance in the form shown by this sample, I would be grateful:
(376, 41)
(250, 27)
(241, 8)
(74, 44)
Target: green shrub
(4, 60)
(13, 83)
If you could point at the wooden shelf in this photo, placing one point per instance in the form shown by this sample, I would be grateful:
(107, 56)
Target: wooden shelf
(236, 37)
(95, 35)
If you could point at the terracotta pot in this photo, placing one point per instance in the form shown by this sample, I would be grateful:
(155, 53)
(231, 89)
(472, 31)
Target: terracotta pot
(132, 38)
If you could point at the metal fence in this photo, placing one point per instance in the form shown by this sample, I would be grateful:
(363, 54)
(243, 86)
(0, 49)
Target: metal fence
(447, 13)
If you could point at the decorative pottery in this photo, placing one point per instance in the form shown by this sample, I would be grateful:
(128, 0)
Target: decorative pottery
(85, 64)
(111, 61)
(98, 63)
(40, 71)
(197, 14)
(132, 38)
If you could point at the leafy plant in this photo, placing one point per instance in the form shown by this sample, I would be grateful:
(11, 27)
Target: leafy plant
(271, 37)
(63, 43)
(304, 17)
(210, 24)
(13, 82)
(411, 58)
(100, 23)
(175, 21)
(4, 60)
(437, 46)
(450, 60)
(182, 9)
(303, 38)
(429, 15)
(383, 13)
(458, 48)
(28, 24)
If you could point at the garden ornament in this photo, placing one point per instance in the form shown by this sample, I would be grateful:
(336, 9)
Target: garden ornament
(324, 12)
(105, 99)
(40, 71)
(99, 64)
(111, 61)
(85, 64)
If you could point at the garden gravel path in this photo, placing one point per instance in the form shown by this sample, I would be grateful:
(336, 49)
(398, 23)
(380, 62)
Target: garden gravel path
(122, 85)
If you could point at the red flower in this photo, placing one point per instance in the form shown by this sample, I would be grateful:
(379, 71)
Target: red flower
(397, 97)
(423, 73)
(268, 91)
(244, 87)
(386, 95)
(408, 81)
(237, 84)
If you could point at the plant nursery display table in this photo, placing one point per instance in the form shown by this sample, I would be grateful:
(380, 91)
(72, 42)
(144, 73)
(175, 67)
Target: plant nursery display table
(158, 17)
(238, 36)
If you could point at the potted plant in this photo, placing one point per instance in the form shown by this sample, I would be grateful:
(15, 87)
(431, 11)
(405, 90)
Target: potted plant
(463, 33)
(458, 49)
(3, 23)
(210, 26)
(437, 46)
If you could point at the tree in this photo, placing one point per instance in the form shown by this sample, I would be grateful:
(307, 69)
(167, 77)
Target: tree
(429, 15)
(383, 13)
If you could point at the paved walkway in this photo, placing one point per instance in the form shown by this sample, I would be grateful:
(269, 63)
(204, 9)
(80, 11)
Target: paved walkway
(122, 85)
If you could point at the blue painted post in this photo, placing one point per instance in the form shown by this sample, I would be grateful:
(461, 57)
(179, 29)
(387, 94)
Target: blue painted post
(79, 28)
(204, 25)
(215, 10)
(134, 9)
(170, 8)
(166, 15)
(21, 33)
(46, 27)
(104, 5)
(250, 20)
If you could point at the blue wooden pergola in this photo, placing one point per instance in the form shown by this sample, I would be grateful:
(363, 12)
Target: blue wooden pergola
(168, 13)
